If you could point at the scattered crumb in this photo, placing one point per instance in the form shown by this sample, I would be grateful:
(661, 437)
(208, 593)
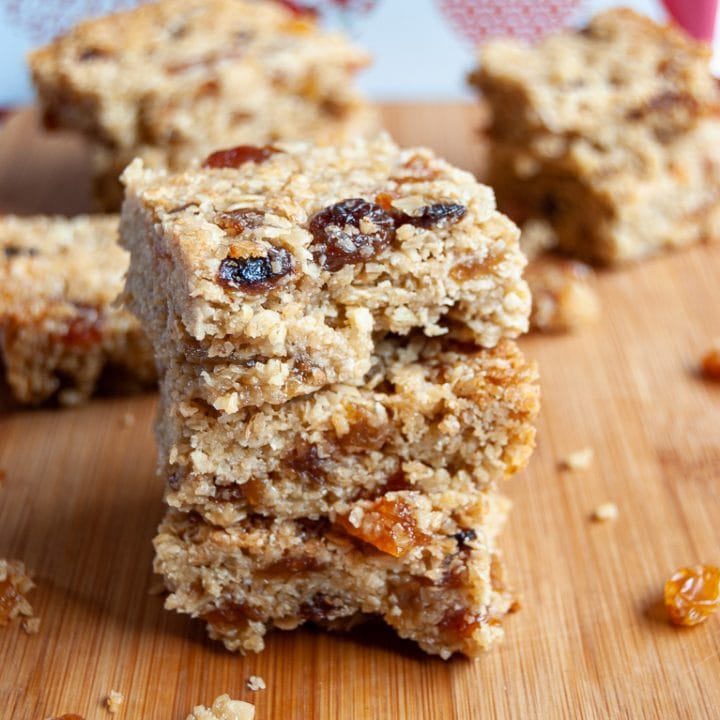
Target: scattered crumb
(224, 709)
(255, 682)
(606, 512)
(113, 701)
(31, 625)
(15, 583)
(563, 298)
(579, 459)
(70, 716)
(157, 586)
(711, 362)
(71, 398)
(127, 420)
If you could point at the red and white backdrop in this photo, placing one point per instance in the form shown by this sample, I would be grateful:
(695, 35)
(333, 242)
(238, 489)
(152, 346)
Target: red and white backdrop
(422, 48)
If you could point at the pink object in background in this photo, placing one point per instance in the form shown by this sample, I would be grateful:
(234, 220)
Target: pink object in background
(696, 16)
(479, 20)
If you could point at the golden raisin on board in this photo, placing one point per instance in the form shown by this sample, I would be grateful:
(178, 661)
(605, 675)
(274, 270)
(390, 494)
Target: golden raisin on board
(711, 363)
(692, 594)
(388, 525)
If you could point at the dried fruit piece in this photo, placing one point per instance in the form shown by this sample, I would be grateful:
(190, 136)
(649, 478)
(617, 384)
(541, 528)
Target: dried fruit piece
(362, 433)
(692, 594)
(235, 222)
(84, 329)
(349, 232)
(389, 524)
(12, 251)
(461, 623)
(711, 362)
(231, 616)
(464, 536)
(239, 155)
(417, 169)
(255, 275)
(435, 216)
(93, 53)
(307, 464)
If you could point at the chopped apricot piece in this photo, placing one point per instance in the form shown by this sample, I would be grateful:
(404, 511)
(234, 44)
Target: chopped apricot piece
(389, 525)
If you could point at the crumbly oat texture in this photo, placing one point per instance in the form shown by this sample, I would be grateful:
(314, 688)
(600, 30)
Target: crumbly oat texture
(59, 327)
(425, 563)
(224, 708)
(611, 133)
(273, 277)
(430, 414)
(175, 79)
(15, 584)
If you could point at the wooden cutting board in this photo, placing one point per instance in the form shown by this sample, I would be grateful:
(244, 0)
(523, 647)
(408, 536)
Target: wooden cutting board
(80, 504)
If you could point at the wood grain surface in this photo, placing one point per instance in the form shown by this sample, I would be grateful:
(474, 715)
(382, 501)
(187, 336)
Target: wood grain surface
(80, 504)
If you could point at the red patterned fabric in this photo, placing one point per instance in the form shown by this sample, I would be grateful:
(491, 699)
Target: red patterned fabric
(478, 20)
(695, 16)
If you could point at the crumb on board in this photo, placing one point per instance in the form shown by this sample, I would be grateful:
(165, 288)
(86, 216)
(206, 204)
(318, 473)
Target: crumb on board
(710, 365)
(113, 701)
(579, 459)
(255, 683)
(127, 420)
(31, 625)
(606, 512)
(224, 708)
(69, 716)
(15, 584)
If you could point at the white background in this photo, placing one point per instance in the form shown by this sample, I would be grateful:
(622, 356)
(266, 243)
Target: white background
(417, 53)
